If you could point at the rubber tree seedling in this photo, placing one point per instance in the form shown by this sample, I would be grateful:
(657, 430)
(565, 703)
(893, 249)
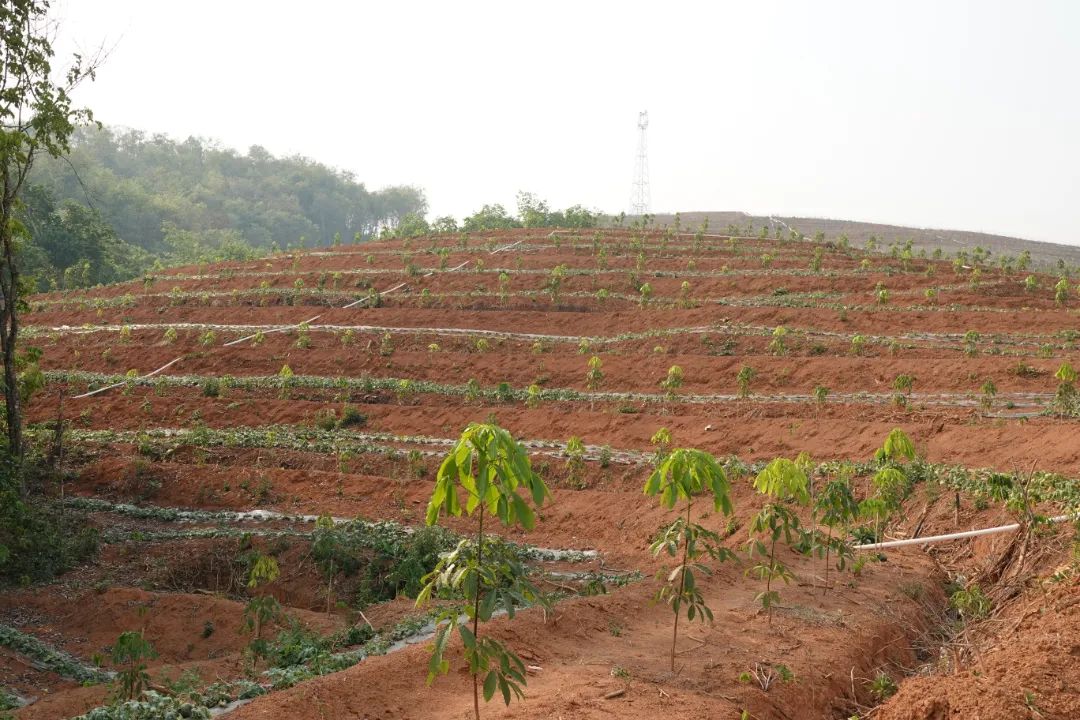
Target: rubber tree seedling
(1024, 261)
(331, 553)
(744, 377)
(785, 483)
(575, 460)
(673, 381)
(661, 439)
(989, 392)
(975, 280)
(684, 474)
(971, 340)
(386, 345)
(554, 284)
(303, 336)
(858, 342)
(504, 287)
(594, 376)
(404, 389)
(684, 294)
(286, 376)
(837, 509)
(129, 653)
(890, 482)
(1065, 397)
(821, 394)
(1061, 290)
(262, 609)
(1031, 283)
(472, 389)
(902, 385)
(906, 256)
(777, 345)
(645, 293)
(489, 468)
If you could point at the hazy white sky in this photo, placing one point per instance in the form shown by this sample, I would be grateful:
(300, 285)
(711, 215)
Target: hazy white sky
(947, 114)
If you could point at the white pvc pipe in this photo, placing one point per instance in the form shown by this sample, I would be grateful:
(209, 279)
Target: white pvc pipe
(121, 384)
(275, 330)
(384, 292)
(234, 342)
(507, 247)
(456, 267)
(929, 539)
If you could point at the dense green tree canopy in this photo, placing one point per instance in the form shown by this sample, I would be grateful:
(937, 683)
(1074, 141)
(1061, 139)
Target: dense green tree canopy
(182, 201)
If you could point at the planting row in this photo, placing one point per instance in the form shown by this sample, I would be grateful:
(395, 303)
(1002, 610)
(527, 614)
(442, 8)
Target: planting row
(1061, 402)
(779, 340)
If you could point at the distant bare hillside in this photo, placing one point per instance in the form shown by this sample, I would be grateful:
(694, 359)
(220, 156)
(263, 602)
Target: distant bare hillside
(1043, 253)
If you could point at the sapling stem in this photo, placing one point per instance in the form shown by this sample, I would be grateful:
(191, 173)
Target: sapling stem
(828, 547)
(476, 607)
(682, 582)
(772, 569)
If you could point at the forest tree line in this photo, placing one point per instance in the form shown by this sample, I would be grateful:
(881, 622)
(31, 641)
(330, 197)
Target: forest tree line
(124, 201)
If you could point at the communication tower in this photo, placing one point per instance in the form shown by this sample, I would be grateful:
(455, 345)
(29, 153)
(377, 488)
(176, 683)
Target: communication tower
(640, 198)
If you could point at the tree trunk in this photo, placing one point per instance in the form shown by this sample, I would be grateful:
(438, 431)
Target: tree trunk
(9, 324)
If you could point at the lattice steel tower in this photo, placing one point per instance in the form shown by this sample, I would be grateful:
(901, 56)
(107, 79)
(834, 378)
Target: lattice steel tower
(640, 198)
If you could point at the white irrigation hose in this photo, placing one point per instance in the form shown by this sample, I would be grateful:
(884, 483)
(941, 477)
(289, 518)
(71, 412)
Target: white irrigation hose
(234, 342)
(456, 267)
(929, 539)
(274, 330)
(507, 247)
(363, 299)
(121, 384)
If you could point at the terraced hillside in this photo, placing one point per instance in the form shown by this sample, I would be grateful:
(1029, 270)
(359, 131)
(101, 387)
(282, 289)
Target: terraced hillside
(212, 415)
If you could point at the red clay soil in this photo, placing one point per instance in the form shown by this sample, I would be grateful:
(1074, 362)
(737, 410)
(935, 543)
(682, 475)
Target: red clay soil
(625, 370)
(705, 341)
(1030, 672)
(86, 624)
(748, 430)
(606, 321)
(590, 647)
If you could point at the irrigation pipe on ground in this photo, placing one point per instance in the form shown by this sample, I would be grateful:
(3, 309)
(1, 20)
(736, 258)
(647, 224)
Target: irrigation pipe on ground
(930, 539)
(249, 337)
(274, 330)
(166, 366)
